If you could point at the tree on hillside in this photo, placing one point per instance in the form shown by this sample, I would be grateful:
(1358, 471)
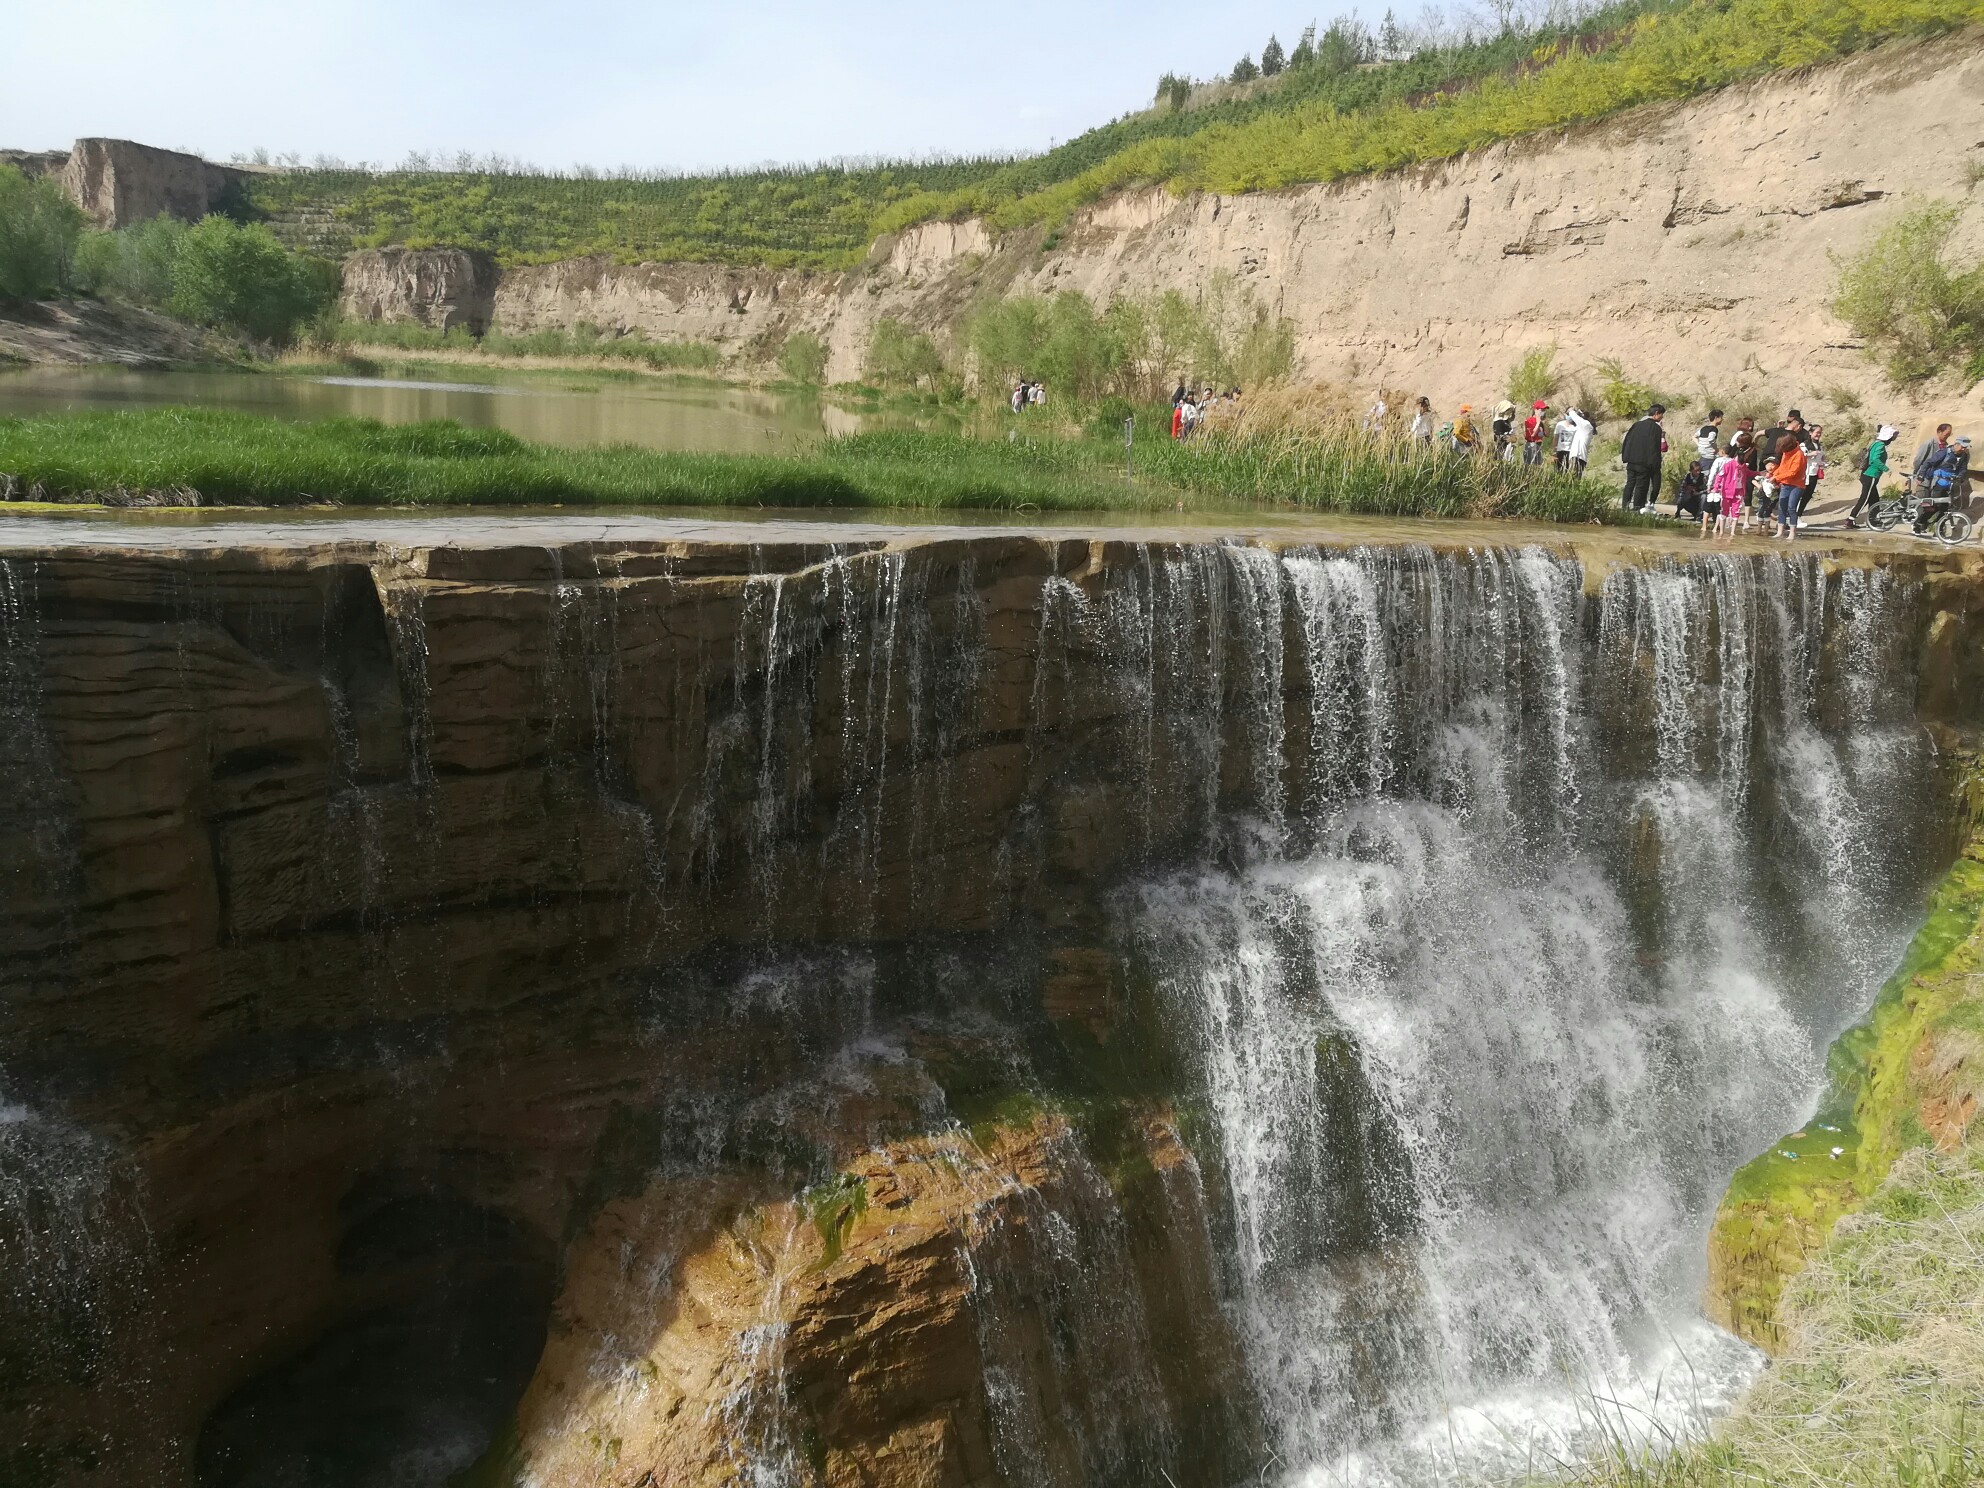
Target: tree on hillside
(1244, 71)
(1272, 59)
(1173, 90)
(900, 357)
(1305, 49)
(39, 228)
(1391, 40)
(1343, 46)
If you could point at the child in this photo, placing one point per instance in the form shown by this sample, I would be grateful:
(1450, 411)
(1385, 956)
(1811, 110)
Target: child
(1727, 479)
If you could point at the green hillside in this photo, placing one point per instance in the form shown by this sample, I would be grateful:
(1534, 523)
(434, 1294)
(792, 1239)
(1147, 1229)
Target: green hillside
(1334, 111)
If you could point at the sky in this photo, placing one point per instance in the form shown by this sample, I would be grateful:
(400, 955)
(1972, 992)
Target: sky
(663, 84)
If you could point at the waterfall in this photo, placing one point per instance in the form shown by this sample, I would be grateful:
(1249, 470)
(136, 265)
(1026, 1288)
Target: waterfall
(1579, 890)
(1460, 920)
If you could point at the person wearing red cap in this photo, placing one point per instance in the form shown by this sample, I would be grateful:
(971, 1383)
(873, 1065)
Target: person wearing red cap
(1535, 429)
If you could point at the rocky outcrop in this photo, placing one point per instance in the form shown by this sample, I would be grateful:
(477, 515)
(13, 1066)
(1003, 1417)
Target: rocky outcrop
(650, 1003)
(120, 182)
(873, 1297)
(1692, 241)
(440, 288)
(302, 827)
(35, 162)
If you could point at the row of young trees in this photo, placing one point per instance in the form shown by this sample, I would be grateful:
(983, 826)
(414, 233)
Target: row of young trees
(217, 272)
(1343, 46)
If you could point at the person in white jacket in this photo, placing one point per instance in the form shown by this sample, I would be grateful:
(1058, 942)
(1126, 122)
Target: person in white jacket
(1579, 448)
(1566, 431)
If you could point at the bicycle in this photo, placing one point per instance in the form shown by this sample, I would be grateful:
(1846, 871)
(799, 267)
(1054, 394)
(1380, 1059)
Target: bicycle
(1949, 528)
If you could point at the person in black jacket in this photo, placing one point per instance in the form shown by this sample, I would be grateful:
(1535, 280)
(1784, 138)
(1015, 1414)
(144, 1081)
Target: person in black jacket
(1641, 449)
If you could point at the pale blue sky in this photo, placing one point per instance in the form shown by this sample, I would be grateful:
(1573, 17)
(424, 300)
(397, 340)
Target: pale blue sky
(673, 84)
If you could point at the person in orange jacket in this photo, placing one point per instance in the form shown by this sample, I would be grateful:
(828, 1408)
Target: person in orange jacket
(1788, 473)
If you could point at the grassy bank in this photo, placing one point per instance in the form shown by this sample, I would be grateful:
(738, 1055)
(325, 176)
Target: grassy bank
(1883, 1075)
(245, 458)
(1882, 1370)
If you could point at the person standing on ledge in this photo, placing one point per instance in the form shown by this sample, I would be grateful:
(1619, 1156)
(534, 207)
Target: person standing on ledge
(1873, 466)
(1641, 449)
(1534, 429)
(1422, 422)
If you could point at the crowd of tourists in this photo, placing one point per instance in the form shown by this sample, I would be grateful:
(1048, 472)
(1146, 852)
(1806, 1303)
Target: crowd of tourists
(1739, 479)
(1534, 438)
(1192, 408)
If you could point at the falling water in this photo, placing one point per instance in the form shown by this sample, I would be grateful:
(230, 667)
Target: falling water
(1491, 913)
(1577, 894)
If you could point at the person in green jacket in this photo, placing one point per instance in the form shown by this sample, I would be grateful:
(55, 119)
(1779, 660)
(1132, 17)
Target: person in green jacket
(1871, 471)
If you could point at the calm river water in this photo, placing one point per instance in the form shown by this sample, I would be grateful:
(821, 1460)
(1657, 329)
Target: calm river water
(657, 413)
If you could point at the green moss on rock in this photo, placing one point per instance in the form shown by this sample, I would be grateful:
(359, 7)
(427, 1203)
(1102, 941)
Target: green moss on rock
(1883, 1075)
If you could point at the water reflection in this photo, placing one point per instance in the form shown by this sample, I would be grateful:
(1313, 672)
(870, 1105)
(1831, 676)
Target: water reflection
(712, 418)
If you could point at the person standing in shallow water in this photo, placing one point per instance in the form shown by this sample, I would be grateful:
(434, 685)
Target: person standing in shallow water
(1642, 449)
(1790, 473)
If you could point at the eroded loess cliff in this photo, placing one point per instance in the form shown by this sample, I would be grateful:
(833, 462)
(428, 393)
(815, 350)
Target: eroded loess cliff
(875, 1009)
(1693, 242)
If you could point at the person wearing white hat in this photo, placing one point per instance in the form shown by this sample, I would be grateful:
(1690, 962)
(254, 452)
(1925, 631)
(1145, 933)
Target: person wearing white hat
(1872, 467)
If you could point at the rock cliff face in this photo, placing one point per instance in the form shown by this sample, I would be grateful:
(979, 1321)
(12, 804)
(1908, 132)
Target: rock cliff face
(662, 1011)
(1692, 241)
(121, 182)
(440, 288)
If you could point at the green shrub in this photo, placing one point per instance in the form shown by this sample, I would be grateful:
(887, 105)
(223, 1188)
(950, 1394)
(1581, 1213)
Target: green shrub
(1921, 316)
(39, 229)
(134, 263)
(1106, 422)
(1534, 375)
(1623, 397)
(250, 458)
(901, 358)
(803, 358)
(242, 279)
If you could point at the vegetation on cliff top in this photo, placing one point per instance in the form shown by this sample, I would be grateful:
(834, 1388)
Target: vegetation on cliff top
(244, 458)
(1339, 113)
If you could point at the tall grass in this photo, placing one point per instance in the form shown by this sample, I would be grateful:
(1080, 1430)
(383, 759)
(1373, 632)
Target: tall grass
(233, 457)
(1881, 1384)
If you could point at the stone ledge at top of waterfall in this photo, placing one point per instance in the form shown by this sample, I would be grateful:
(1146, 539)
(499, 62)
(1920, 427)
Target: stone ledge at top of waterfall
(547, 544)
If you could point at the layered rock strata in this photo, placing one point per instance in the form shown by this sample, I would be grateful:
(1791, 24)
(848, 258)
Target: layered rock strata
(638, 1012)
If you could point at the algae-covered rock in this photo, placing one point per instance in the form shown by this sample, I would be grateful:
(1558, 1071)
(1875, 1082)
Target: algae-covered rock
(1909, 1076)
